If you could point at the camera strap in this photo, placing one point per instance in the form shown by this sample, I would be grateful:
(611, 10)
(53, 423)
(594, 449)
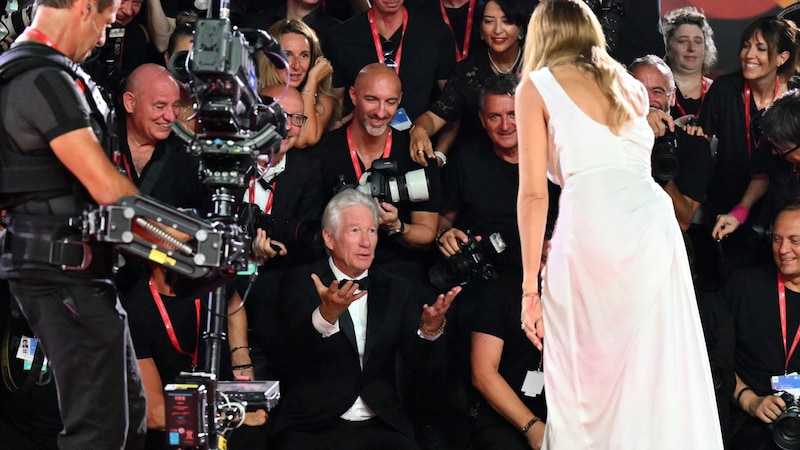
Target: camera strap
(387, 150)
(782, 306)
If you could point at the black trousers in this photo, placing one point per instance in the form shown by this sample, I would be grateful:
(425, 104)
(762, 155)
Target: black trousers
(84, 334)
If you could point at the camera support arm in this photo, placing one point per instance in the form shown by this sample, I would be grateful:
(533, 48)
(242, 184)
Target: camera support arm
(214, 249)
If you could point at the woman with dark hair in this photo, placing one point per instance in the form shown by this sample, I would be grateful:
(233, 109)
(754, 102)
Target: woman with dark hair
(690, 53)
(500, 53)
(309, 72)
(732, 108)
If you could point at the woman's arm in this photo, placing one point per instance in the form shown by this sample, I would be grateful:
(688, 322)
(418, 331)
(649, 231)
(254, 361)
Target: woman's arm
(317, 106)
(532, 201)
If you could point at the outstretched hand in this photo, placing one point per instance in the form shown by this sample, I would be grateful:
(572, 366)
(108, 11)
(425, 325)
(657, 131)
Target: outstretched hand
(335, 299)
(433, 316)
(532, 321)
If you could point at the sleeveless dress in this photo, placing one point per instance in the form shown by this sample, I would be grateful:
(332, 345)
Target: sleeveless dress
(625, 361)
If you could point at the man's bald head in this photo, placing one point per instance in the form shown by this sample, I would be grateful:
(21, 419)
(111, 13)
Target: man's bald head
(145, 76)
(376, 95)
(151, 101)
(292, 104)
(377, 73)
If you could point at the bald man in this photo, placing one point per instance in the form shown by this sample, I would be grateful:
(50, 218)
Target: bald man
(348, 152)
(150, 154)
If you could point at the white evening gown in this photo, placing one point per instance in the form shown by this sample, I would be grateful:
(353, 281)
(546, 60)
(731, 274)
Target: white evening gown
(625, 361)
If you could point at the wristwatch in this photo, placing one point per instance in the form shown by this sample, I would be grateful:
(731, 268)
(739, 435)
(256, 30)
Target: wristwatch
(397, 231)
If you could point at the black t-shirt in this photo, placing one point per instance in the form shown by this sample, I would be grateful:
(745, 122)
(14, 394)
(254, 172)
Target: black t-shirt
(334, 155)
(149, 334)
(427, 55)
(482, 188)
(498, 315)
(752, 295)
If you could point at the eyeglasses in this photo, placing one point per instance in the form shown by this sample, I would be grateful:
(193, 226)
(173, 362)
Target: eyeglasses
(297, 120)
(787, 152)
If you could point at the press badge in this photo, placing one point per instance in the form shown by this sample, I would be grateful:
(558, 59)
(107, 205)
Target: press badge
(789, 383)
(533, 384)
(401, 122)
(26, 352)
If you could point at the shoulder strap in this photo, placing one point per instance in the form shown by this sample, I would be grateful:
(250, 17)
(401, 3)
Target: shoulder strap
(26, 175)
(23, 57)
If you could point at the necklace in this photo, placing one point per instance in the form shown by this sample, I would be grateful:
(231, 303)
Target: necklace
(504, 72)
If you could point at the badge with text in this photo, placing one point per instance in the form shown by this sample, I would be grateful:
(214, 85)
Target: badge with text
(533, 384)
(789, 383)
(401, 121)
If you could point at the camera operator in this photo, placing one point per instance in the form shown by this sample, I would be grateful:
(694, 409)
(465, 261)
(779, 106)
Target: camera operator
(687, 187)
(57, 128)
(764, 302)
(350, 151)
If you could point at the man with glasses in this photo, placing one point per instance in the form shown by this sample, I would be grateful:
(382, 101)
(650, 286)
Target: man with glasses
(288, 195)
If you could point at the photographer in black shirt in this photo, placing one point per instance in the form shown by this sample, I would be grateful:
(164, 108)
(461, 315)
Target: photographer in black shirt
(681, 160)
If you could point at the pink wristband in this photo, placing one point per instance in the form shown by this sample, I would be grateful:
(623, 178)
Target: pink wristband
(740, 213)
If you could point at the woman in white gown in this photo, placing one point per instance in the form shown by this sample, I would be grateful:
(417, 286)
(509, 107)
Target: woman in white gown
(624, 356)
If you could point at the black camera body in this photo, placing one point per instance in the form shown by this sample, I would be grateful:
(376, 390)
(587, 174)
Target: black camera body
(473, 262)
(786, 428)
(664, 158)
(384, 183)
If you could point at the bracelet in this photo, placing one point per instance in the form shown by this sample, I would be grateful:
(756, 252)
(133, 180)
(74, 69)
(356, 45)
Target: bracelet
(739, 396)
(316, 95)
(239, 348)
(529, 424)
(441, 156)
(434, 333)
(242, 367)
(740, 213)
(417, 126)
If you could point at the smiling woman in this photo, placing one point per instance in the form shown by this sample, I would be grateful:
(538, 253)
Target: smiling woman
(309, 72)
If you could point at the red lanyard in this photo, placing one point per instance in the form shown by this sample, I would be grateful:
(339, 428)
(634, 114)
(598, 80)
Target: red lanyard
(377, 39)
(168, 324)
(124, 161)
(387, 150)
(703, 86)
(41, 37)
(747, 110)
(462, 54)
(782, 305)
(270, 195)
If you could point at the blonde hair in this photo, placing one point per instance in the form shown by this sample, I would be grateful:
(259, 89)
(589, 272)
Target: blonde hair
(567, 32)
(266, 70)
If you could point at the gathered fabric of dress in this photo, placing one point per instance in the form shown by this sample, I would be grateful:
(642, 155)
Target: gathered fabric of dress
(625, 361)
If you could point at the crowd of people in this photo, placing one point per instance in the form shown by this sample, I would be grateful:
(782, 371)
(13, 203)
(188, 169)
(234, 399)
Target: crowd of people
(641, 226)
